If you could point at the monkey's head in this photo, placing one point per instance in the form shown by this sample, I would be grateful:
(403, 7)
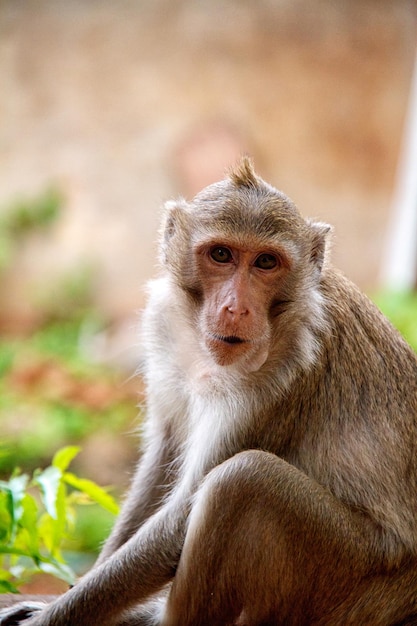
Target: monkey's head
(249, 264)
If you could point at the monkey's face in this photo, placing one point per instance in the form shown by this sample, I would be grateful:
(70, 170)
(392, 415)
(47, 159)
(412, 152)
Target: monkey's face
(249, 264)
(240, 284)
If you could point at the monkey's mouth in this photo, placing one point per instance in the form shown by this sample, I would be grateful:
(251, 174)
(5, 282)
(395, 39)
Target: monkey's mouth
(231, 339)
(227, 349)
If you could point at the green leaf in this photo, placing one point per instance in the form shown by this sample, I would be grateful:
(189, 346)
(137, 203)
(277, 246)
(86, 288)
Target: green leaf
(60, 524)
(16, 551)
(49, 481)
(17, 486)
(7, 587)
(6, 511)
(15, 491)
(29, 522)
(63, 457)
(32, 530)
(96, 493)
(47, 533)
(5, 516)
(51, 530)
(59, 570)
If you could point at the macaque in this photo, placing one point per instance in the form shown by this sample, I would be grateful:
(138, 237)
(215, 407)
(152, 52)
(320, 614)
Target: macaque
(278, 481)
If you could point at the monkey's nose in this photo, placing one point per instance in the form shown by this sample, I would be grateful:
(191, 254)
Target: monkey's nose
(237, 310)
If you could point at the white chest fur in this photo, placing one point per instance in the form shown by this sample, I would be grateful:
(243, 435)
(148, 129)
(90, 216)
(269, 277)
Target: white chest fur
(203, 405)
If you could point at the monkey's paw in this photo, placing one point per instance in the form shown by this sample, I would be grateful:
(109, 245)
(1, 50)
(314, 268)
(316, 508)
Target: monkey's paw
(14, 615)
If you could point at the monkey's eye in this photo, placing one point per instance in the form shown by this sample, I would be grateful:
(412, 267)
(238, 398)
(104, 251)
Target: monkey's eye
(266, 261)
(221, 255)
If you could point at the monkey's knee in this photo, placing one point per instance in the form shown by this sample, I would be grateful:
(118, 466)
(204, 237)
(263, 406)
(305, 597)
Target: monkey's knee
(252, 473)
(222, 551)
(250, 460)
(248, 468)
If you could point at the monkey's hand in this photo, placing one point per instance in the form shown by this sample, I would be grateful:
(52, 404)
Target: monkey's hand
(18, 613)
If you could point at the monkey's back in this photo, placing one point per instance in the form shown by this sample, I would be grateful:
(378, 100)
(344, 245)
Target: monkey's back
(354, 416)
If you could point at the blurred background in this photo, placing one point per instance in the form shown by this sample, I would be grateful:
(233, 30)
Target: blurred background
(109, 108)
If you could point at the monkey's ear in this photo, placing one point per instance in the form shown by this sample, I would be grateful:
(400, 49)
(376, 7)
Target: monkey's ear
(320, 232)
(175, 225)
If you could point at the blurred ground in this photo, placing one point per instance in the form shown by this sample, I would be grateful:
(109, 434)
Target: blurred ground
(122, 105)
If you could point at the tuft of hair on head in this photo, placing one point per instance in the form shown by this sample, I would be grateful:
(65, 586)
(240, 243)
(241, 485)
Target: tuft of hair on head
(243, 174)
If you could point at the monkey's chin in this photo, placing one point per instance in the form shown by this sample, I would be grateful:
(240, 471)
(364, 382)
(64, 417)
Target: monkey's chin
(245, 355)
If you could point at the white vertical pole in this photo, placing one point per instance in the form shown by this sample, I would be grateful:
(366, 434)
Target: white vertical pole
(399, 264)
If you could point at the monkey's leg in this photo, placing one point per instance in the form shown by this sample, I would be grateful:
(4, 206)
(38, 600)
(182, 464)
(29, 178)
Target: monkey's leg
(389, 599)
(267, 543)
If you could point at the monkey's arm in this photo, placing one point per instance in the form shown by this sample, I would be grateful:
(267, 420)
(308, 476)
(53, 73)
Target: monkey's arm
(149, 486)
(142, 566)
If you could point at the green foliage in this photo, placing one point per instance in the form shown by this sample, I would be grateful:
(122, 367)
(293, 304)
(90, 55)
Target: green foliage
(24, 216)
(401, 310)
(52, 394)
(27, 214)
(67, 298)
(38, 517)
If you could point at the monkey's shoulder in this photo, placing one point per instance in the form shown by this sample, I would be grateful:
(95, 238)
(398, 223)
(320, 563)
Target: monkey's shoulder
(363, 354)
(353, 315)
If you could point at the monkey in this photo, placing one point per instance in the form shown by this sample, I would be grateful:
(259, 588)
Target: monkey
(278, 479)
